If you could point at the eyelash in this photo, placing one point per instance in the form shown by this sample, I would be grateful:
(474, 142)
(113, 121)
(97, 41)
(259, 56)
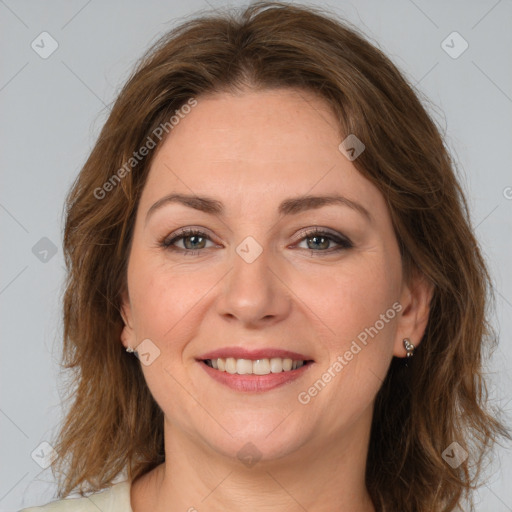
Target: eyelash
(343, 242)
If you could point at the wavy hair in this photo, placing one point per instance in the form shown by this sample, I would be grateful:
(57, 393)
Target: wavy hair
(113, 424)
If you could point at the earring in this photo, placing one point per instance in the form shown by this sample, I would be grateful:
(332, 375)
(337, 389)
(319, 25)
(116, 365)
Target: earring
(130, 349)
(409, 347)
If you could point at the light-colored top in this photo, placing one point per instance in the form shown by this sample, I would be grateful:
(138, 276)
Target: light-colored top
(114, 499)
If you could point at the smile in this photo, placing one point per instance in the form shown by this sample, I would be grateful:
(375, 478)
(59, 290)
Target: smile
(254, 367)
(241, 374)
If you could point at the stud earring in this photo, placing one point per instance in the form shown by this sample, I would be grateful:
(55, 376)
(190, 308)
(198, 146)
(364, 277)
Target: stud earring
(409, 347)
(130, 349)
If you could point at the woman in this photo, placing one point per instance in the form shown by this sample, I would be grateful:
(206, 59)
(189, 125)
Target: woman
(275, 299)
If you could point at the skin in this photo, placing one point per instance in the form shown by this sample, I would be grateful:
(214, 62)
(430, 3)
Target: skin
(251, 151)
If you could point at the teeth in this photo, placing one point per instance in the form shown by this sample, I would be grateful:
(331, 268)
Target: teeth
(243, 366)
(257, 367)
(261, 367)
(230, 365)
(276, 365)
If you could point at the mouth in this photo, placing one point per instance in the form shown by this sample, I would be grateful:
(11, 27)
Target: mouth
(254, 370)
(264, 366)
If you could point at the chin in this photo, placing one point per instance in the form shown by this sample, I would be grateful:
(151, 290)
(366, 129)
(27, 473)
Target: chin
(259, 436)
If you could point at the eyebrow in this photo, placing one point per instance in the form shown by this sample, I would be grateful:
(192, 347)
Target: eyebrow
(290, 206)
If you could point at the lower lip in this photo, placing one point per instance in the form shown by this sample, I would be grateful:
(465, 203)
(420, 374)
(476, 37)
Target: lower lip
(254, 383)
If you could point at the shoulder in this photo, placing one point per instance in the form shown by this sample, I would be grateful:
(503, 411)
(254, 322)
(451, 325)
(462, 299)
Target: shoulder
(114, 499)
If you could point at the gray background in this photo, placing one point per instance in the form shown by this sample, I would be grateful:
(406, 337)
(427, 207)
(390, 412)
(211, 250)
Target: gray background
(52, 110)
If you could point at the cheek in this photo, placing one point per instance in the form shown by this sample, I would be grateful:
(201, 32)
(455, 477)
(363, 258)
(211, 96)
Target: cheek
(353, 297)
(360, 339)
(151, 296)
(164, 297)
(360, 312)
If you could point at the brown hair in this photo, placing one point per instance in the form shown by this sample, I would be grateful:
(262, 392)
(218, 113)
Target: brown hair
(113, 422)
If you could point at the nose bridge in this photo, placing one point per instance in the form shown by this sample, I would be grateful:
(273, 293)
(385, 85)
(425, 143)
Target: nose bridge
(252, 291)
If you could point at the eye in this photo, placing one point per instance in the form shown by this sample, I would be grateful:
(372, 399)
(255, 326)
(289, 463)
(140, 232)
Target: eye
(193, 240)
(321, 240)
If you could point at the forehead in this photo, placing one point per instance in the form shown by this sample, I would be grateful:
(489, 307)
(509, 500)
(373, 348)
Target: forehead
(254, 144)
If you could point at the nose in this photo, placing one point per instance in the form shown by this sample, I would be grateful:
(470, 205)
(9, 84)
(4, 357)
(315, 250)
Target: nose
(254, 293)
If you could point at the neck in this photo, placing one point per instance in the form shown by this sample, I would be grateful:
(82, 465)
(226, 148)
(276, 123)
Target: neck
(325, 471)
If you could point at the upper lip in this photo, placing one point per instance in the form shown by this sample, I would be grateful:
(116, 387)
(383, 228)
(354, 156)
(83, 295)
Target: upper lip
(262, 353)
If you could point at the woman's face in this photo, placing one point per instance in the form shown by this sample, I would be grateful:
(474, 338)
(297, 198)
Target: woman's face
(257, 283)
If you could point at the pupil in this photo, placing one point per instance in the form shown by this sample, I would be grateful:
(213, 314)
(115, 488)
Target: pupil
(321, 238)
(191, 238)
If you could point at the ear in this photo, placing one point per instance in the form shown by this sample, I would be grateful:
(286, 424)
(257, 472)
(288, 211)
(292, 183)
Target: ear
(128, 337)
(415, 299)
